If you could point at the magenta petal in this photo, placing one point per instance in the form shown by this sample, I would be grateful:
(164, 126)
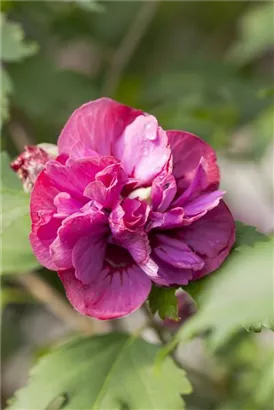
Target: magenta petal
(96, 125)
(44, 225)
(203, 203)
(88, 257)
(72, 230)
(143, 149)
(66, 205)
(126, 223)
(163, 191)
(187, 151)
(41, 248)
(107, 186)
(176, 253)
(42, 197)
(80, 150)
(168, 220)
(170, 275)
(197, 185)
(211, 237)
(111, 295)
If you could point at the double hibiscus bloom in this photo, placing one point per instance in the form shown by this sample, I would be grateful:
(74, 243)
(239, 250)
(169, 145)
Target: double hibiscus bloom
(126, 205)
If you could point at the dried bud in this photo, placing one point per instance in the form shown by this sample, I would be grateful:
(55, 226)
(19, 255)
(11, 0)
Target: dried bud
(31, 162)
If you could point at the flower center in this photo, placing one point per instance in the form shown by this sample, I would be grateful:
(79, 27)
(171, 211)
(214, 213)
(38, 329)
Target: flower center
(143, 194)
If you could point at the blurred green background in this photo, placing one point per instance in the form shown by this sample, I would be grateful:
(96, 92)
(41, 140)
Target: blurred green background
(205, 67)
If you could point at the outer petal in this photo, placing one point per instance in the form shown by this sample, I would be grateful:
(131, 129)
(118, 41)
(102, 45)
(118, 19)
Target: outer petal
(187, 150)
(42, 197)
(95, 126)
(41, 244)
(111, 295)
(44, 226)
(211, 237)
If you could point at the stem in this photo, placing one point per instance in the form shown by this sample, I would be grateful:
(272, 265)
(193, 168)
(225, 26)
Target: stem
(160, 332)
(124, 53)
(151, 323)
(54, 303)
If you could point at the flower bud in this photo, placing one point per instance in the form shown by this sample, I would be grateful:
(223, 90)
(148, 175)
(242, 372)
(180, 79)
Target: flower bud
(31, 162)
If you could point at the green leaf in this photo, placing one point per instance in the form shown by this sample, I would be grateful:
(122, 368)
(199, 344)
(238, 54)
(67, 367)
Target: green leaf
(164, 301)
(38, 77)
(112, 371)
(14, 46)
(258, 327)
(256, 34)
(17, 255)
(16, 252)
(9, 179)
(6, 90)
(240, 293)
(247, 235)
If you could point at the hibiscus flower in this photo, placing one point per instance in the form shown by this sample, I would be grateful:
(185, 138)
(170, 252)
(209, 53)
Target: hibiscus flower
(126, 205)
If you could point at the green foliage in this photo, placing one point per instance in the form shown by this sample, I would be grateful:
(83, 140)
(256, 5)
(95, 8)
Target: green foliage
(185, 76)
(14, 47)
(6, 90)
(17, 255)
(225, 301)
(164, 301)
(37, 77)
(113, 371)
(207, 98)
(258, 327)
(256, 34)
(90, 5)
(247, 235)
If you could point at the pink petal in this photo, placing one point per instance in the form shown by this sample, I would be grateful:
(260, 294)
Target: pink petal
(42, 197)
(187, 151)
(203, 203)
(88, 257)
(66, 205)
(163, 191)
(171, 219)
(143, 149)
(108, 185)
(44, 225)
(72, 230)
(126, 222)
(96, 125)
(197, 185)
(151, 269)
(170, 275)
(176, 253)
(41, 250)
(63, 179)
(111, 295)
(211, 237)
